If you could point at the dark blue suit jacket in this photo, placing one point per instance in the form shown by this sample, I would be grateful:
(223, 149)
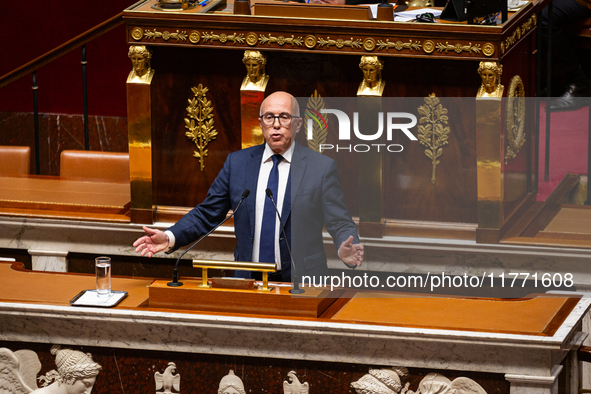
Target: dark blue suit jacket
(316, 202)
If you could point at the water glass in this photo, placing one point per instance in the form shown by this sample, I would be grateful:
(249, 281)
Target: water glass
(103, 275)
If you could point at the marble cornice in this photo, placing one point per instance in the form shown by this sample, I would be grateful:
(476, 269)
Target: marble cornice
(290, 339)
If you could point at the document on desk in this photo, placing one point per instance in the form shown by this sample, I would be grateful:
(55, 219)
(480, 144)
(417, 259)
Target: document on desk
(405, 16)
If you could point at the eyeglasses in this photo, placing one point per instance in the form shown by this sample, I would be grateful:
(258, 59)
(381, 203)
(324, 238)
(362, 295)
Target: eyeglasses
(284, 119)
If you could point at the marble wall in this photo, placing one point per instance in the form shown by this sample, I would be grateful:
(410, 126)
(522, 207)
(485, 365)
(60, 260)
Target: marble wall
(58, 132)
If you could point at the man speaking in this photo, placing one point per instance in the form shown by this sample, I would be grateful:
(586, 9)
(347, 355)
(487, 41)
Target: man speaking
(304, 185)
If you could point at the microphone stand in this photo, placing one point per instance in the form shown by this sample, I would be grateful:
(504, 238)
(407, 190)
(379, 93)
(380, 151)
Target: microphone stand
(175, 276)
(296, 286)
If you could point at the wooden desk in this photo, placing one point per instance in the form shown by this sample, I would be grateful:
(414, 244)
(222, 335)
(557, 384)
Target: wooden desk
(48, 196)
(34, 314)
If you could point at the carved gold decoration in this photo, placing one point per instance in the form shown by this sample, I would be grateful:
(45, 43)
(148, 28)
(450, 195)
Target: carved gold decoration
(168, 380)
(339, 43)
(490, 73)
(428, 46)
(137, 33)
(310, 41)
(399, 45)
(223, 38)
(140, 57)
(165, 35)
(200, 122)
(320, 129)
(488, 49)
(515, 114)
(419, 3)
(519, 32)
(255, 79)
(293, 41)
(433, 132)
(369, 44)
(252, 39)
(194, 37)
(372, 84)
(458, 48)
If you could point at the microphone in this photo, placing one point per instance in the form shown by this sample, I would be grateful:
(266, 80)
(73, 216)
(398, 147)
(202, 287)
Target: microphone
(175, 276)
(296, 286)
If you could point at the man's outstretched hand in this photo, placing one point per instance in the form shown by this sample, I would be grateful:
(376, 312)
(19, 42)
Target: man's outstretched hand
(350, 253)
(155, 241)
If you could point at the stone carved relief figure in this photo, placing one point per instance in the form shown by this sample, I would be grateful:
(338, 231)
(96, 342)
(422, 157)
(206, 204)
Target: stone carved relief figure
(140, 57)
(231, 384)
(18, 371)
(76, 373)
(168, 380)
(292, 385)
(372, 84)
(490, 72)
(435, 383)
(382, 381)
(255, 79)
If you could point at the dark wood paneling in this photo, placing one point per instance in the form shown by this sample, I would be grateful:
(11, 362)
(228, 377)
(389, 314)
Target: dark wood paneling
(409, 193)
(518, 172)
(178, 180)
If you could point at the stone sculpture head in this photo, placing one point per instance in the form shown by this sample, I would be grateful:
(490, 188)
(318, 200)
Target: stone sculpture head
(231, 384)
(76, 371)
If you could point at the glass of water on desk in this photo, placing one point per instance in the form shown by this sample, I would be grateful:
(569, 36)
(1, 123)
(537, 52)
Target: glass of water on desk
(103, 276)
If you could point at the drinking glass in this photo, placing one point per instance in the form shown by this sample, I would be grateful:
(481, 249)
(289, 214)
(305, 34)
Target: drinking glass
(103, 275)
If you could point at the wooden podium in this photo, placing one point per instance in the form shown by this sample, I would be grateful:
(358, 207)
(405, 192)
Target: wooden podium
(277, 302)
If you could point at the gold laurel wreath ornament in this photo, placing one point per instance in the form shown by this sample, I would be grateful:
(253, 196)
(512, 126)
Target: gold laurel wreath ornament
(200, 123)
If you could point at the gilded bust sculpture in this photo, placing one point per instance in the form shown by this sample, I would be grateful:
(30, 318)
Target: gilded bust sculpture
(76, 373)
(140, 57)
(255, 78)
(490, 72)
(372, 84)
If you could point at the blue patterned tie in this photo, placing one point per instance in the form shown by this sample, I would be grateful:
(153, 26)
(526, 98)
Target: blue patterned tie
(267, 247)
